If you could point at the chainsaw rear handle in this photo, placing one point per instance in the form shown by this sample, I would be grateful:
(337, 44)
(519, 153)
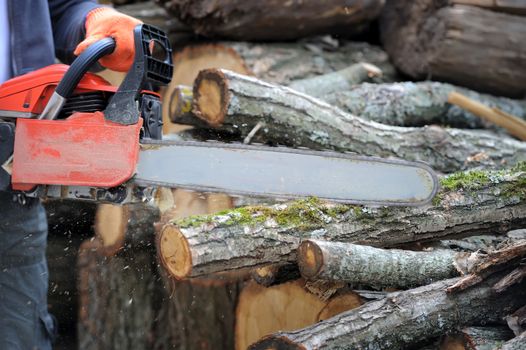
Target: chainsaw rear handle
(152, 63)
(76, 71)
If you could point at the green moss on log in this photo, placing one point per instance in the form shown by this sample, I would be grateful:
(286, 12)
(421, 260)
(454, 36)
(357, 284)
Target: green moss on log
(312, 213)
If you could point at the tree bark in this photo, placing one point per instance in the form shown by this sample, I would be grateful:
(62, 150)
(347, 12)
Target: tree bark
(516, 343)
(517, 7)
(242, 20)
(236, 103)
(117, 298)
(254, 236)
(476, 338)
(401, 319)
(343, 79)
(417, 104)
(430, 38)
(376, 267)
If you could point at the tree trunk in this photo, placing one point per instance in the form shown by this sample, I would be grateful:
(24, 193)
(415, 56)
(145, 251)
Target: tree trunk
(401, 319)
(236, 103)
(254, 236)
(517, 7)
(286, 306)
(376, 267)
(417, 104)
(274, 20)
(464, 45)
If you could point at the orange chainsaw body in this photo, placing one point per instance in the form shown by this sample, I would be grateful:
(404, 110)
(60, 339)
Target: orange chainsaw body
(82, 150)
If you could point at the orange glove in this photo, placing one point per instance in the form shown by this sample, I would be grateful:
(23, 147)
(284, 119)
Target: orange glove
(105, 22)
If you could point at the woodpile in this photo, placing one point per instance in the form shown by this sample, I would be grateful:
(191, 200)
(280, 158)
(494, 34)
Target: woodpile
(210, 271)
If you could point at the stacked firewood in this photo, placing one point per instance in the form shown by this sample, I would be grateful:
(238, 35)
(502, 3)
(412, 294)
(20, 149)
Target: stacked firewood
(265, 274)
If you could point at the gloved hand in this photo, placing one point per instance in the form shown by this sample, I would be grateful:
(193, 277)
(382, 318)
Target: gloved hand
(106, 22)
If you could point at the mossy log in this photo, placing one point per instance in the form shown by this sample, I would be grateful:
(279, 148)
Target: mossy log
(417, 104)
(250, 237)
(464, 45)
(401, 319)
(380, 268)
(273, 19)
(236, 103)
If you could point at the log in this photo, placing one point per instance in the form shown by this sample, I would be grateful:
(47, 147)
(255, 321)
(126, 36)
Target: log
(285, 306)
(198, 314)
(476, 338)
(340, 80)
(242, 20)
(119, 226)
(517, 7)
(401, 319)
(418, 104)
(512, 124)
(236, 103)
(117, 298)
(379, 268)
(148, 12)
(496, 261)
(516, 343)
(430, 38)
(468, 202)
(517, 321)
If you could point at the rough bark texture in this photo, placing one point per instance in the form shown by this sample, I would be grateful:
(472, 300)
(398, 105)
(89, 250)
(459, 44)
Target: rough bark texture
(255, 236)
(401, 319)
(517, 7)
(375, 267)
(283, 63)
(476, 338)
(177, 32)
(340, 80)
(273, 19)
(197, 314)
(236, 103)
(465, 45)
(516, 343)
(417, 104)
(116, 299)
(117, 226)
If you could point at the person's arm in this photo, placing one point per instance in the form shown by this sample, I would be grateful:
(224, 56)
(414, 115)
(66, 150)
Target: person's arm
(68, 19)
(78, 24)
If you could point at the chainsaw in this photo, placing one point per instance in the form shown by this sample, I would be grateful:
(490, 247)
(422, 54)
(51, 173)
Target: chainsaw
(68, 133)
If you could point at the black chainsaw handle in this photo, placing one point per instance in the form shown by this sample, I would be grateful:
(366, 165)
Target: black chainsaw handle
(82, 64)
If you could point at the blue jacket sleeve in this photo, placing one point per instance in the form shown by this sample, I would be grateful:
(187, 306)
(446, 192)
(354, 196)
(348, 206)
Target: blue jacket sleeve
(67, 18)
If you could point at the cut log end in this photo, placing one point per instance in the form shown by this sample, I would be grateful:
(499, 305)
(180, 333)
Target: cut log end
(174, 252)
(211, 97)
(180, 101)
(310, 259)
